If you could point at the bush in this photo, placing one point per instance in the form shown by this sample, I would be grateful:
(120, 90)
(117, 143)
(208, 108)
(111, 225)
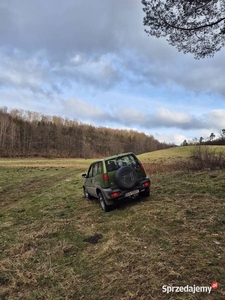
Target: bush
(203, 157)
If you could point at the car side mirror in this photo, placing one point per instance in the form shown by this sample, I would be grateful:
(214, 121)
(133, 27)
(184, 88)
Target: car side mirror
(84, 175)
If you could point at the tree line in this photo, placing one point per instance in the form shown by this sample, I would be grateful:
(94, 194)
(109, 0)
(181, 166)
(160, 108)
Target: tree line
(31, 134)
(211, 140)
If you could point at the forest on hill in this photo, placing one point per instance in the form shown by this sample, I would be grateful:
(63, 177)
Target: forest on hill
(31, 134)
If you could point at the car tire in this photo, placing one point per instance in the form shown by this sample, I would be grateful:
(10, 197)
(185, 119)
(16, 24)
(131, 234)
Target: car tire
(103, 203)
(145, 193)
(86, 194)
(126, 177)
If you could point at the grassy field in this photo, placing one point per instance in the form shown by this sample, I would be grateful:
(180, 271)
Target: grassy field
(175, 152)
(176, 237)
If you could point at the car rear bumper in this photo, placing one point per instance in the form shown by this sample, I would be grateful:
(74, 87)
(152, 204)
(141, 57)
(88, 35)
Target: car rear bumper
(117, 194)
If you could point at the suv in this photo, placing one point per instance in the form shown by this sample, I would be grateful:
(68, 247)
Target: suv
(114, 178)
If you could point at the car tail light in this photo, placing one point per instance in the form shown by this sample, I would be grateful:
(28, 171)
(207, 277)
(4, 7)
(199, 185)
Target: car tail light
(115, 194)
(146, 184)
(142, 167)
(105, 177)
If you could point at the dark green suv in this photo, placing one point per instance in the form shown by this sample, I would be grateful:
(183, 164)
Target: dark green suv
(114, 178)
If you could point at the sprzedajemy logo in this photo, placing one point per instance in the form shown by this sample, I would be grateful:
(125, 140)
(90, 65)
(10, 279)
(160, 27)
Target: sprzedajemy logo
(190, 288)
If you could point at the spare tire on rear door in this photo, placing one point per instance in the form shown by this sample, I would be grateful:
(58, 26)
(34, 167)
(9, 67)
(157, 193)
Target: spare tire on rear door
(126, 177)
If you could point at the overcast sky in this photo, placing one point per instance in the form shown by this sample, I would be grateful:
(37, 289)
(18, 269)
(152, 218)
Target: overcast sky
(92, 61)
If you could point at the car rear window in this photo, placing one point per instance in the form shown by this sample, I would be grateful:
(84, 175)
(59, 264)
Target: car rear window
(117, 162)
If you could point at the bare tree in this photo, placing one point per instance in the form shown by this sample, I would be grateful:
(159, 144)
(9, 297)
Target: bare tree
(223, 134)
(212, 136)
(193, 26)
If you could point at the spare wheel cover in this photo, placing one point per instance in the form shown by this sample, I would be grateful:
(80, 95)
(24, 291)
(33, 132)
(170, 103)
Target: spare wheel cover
(126, 177)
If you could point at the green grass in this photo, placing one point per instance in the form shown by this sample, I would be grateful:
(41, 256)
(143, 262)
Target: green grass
(168, 153)
(174, 152)
(43, 162)
(174, 237)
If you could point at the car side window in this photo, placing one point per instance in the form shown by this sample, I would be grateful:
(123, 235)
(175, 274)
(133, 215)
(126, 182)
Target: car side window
(100, 167)
(90, 172)
(95, 169)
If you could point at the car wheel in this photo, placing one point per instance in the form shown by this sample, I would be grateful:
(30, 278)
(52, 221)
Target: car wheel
(145, 193)
(86, 194)
(103, 204)
(126, 177)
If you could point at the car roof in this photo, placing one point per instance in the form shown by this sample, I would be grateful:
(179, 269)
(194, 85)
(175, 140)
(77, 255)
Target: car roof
(114, 156)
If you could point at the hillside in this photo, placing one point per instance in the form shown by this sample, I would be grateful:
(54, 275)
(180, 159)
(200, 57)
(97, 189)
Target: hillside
(30, 134)
(184, 158)
(175, 152)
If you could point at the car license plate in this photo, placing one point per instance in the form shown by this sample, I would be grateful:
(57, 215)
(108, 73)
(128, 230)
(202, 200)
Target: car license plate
(128, 194)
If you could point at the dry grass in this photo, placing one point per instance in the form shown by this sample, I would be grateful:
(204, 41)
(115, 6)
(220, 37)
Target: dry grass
(175, 237)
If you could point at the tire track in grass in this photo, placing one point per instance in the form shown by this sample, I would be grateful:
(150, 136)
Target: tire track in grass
(21, 184)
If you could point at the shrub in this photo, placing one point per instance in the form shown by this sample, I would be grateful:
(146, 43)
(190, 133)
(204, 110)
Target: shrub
(203, 157)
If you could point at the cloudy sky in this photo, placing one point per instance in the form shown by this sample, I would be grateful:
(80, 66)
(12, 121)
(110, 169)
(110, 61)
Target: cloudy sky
(92, 61)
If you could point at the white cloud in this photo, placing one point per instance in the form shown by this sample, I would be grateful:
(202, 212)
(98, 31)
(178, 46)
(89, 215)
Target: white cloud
(77, 59)
(167, 137)
(174, 117)
(85, 111)
(25, 73)
(133, 118)
(216, 118)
